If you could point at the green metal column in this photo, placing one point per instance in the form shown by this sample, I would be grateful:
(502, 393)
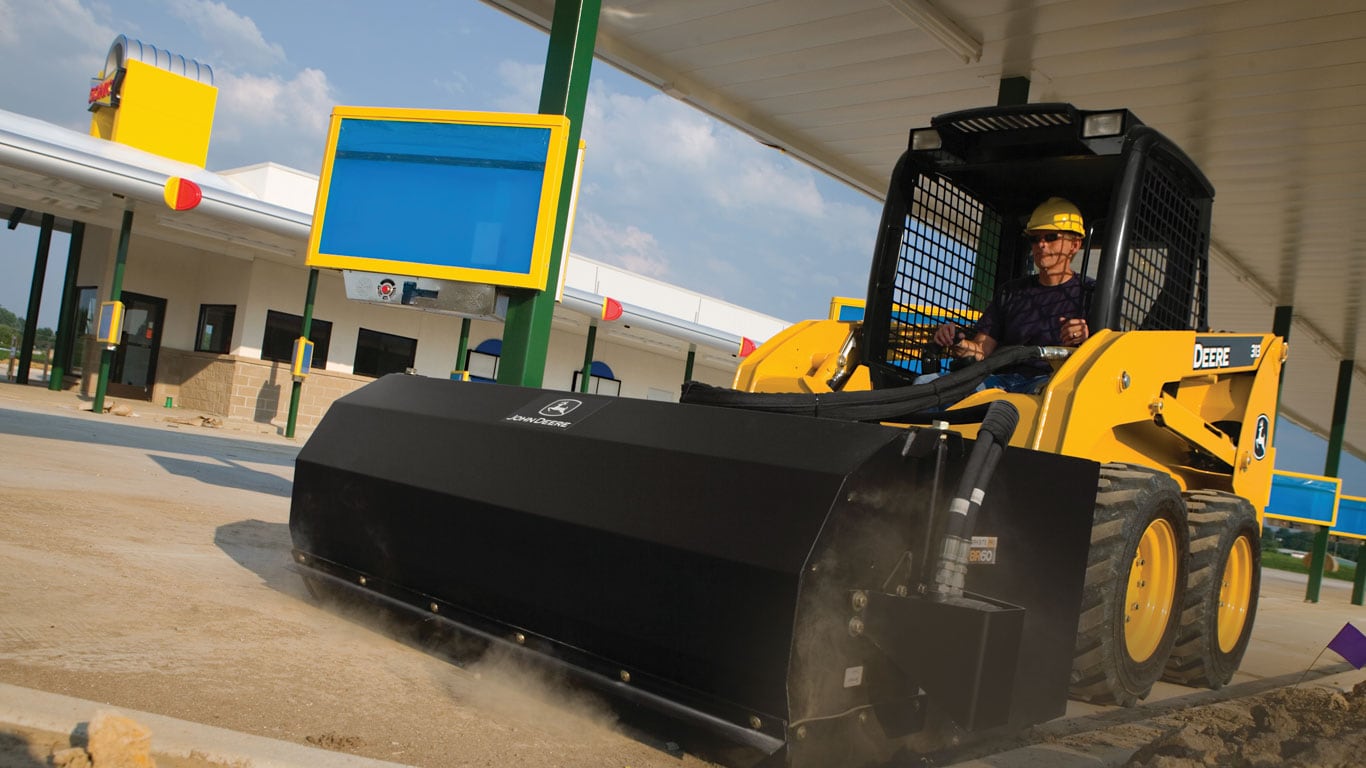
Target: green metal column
(587, 373)
(564, 90)
(297, 390)
(463, 349)
(1012, 91)
(66, 335)
(1330, 468)
(692, 358)
(1280, 325)
(115, 291)
(35, 297)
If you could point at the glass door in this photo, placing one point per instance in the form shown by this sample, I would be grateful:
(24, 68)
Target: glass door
(135, 360)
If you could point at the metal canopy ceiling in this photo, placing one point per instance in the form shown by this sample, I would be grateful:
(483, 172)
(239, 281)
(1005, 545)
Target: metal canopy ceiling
(1268, 97)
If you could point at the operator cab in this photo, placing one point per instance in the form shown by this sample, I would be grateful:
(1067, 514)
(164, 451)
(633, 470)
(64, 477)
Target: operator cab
(962, 192)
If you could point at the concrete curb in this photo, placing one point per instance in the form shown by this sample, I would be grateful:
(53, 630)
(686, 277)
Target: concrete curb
(56, 713)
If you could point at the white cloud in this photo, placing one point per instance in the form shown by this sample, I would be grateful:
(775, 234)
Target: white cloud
(53, 49)
(626, 246)
(236, 40)
(728, 217)
(270, 118)
(454, 84)
(522, 82)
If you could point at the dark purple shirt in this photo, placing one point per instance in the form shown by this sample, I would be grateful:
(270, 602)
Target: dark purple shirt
(1026, 313)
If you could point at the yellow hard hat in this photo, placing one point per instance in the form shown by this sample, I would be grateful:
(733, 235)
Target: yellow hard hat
(1058, 215)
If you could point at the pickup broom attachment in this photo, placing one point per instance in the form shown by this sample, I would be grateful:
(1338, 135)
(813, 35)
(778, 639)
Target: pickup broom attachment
(792, 590)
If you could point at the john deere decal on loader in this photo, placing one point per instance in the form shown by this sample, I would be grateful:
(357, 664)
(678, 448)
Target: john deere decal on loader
(830, 564)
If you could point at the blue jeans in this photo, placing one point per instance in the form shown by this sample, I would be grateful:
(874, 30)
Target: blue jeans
(1014, 382)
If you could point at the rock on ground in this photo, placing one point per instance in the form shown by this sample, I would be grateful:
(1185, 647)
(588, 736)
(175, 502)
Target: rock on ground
(1294, 727)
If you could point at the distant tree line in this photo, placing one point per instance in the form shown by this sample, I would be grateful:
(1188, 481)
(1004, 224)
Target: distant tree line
(12, 333)
(1302, 540)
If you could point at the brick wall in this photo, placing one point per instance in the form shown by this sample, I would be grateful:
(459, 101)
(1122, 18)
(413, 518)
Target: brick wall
(246, 389)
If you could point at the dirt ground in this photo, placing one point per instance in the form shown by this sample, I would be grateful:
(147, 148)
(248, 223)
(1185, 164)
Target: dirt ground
(144, 564)
(1301, 727)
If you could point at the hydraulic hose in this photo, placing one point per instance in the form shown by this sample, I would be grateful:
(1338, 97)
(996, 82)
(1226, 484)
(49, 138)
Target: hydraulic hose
(907, 403)
(950, 570)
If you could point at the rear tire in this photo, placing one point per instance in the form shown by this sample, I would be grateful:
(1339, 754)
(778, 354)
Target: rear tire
(1135, 577)
(1221, 595)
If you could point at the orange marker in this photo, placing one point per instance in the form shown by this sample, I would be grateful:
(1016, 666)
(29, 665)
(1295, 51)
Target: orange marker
(182, 194)
(611, 309)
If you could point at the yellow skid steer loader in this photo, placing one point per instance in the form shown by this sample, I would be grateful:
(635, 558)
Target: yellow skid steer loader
(831, 564)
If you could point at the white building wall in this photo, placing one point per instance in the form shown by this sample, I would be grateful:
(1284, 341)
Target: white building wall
(610, 281)
(188, 278)
(277, 184)
(278, 287)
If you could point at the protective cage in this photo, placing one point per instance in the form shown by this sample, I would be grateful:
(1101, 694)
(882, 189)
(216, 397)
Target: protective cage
(749, 576)
(951, 227)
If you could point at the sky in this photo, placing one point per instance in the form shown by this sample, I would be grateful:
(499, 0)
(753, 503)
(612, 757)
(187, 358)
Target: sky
(666, 192)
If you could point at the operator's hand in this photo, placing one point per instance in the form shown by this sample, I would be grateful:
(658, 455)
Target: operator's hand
(946, 335)
(955, 340)
(1073, 331)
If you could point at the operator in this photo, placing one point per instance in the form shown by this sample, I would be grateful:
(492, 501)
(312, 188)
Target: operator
(1044, 309)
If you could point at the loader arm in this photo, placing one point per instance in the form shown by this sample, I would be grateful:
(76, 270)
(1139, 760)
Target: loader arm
(1200, 406)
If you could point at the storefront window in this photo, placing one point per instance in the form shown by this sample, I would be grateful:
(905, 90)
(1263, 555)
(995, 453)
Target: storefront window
(215, 328)
(380, 353)
(281, 331)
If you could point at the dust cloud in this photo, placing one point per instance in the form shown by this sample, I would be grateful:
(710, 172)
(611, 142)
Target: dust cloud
(514, 686)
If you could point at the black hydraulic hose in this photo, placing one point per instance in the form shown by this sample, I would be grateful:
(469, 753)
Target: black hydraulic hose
(895, 404)
(951, 568)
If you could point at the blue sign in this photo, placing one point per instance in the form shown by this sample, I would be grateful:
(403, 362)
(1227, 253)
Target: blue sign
(464, 196)
(1304, 498)
(1351, 517)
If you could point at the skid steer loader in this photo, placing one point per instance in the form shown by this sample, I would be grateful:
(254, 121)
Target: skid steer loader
(830, 564)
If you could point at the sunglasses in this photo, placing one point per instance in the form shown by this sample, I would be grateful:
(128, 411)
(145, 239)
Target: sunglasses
(1047, 237)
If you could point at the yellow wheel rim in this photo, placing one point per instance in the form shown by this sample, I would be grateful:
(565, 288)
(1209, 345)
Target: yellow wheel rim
(1235, 593)
(1152, 586)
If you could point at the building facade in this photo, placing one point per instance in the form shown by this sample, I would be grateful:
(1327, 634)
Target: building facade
(215, 294)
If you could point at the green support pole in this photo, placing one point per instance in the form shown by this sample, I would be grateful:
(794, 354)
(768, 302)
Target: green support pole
(1359, 582)
(692, 358)
(1317, 554)
(115, 291)
(297, 390)
(66, 335)
(1012, 91)
(1280, 325)
(1330, 469)
(587, 373)
(35, 298)
(463, 349)
(564, 90)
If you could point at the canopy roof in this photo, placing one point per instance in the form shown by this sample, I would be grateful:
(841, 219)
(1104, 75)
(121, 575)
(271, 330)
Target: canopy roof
(1268, 97)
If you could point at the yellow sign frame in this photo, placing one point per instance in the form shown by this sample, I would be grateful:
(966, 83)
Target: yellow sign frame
(534, 277)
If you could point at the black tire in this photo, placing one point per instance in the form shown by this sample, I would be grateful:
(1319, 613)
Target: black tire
(1221, 592)
(1127, 631)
